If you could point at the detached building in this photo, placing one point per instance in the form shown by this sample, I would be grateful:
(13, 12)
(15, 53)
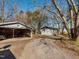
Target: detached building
(14, 29)
(48, 30)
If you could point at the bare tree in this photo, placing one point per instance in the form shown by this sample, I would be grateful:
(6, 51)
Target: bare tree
(2, 11)
(73, 14)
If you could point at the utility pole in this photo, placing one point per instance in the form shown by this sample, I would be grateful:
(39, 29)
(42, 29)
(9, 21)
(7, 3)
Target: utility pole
(2, 11)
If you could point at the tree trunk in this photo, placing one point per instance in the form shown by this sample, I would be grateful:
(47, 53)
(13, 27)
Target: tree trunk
(2, 10)
(72, 32)
(39, 27)
(65, 23)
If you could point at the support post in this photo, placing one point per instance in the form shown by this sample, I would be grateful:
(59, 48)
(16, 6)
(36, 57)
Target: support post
(13, 33)
(31, 33)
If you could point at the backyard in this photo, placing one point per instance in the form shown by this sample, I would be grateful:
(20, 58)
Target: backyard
(39, 29)
(38, 48)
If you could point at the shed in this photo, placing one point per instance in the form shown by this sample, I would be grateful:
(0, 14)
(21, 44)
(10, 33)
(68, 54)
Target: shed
(46, 30)
(14, 29)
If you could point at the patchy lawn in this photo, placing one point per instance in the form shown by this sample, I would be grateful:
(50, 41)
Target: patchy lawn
(39, 48)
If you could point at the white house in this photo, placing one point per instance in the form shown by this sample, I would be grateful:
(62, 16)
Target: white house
(48, 30)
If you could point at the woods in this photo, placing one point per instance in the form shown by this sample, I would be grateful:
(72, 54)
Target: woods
(39, 29)
(73, 17)
(36, 19)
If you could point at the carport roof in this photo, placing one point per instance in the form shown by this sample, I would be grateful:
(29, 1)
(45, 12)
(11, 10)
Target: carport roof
(15, 25)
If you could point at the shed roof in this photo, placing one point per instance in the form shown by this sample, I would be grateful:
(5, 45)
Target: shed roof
(47, 27)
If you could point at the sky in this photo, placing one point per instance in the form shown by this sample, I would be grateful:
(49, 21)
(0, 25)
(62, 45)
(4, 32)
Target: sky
(28, 5)
(22, 5)
(25, 5)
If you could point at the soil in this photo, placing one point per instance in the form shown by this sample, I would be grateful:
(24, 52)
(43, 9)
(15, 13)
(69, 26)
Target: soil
(39, 48)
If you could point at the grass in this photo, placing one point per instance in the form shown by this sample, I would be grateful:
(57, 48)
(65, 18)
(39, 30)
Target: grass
(76, 42)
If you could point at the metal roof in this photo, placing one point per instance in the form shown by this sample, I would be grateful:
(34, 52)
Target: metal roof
(47, 27)
(15, 25)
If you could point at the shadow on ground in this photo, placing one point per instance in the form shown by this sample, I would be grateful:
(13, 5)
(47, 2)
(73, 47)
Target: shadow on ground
(6, 53)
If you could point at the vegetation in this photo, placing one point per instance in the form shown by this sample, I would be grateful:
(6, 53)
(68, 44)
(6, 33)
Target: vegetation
(69, 19)
(73, 13)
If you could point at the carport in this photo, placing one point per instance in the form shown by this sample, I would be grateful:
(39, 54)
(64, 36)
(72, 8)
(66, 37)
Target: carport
(14, 29)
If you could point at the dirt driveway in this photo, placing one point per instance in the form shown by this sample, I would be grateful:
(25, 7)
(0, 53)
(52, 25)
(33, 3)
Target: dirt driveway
(36, 49)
